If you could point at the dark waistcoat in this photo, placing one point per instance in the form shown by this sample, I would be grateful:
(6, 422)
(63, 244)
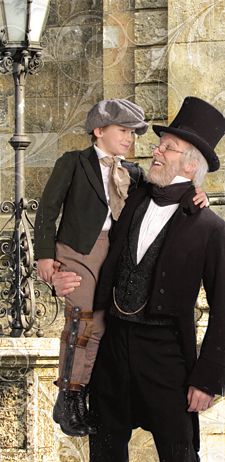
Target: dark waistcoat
(133, 284)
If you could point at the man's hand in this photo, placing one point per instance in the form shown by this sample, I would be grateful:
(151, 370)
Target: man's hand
(45, 269)
(65, 282)
(200, 198)
(198, 400)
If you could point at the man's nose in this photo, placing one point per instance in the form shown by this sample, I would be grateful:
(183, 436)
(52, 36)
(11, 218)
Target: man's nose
(157, 151)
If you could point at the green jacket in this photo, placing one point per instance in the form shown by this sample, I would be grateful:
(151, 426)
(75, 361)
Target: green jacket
(76, 186)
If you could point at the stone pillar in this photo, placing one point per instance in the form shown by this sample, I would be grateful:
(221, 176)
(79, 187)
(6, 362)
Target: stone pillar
(27, 370)
(196, 65)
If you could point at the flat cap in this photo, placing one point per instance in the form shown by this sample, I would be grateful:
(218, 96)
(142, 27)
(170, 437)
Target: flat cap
(116, 112)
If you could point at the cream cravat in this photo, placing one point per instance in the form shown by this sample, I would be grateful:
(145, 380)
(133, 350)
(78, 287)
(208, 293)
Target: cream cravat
(119, 181)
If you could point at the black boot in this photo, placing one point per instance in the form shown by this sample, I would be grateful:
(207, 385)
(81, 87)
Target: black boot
(66, 412)
(84, 413)
(70, 411)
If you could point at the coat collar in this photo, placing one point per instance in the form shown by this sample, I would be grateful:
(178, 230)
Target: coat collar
(90, 163)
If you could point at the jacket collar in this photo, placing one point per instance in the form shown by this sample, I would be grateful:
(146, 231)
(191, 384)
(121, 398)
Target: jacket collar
(90, 163)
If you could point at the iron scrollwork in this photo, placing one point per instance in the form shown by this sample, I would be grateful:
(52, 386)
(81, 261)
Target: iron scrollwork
(38, 309)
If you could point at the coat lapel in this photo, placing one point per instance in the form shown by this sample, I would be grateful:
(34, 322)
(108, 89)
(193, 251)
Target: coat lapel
(90, 164)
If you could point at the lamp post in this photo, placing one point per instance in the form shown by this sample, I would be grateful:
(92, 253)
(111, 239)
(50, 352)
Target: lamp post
(21, 24)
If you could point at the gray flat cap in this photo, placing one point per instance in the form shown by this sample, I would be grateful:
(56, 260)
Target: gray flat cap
(116, 112)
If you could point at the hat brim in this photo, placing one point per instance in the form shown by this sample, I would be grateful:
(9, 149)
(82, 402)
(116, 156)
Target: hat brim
(139, 127)
(209, 154)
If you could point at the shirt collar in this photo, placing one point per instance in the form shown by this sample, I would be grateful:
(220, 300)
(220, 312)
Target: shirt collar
(102, 154)
(179, 179)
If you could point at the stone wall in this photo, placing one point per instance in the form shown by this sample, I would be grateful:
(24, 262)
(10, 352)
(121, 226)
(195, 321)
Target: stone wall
(196, 66)
(155, 53)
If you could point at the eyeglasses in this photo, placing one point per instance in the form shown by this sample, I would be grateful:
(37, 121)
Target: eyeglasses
(163, 148)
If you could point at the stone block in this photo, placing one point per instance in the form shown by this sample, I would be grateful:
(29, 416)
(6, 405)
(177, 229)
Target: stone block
(150, 27)
(7, 184)
(151, 64)
(150, 4)
(196, 21)
(45, 82)
(187, 75)
(4, 120)
(6, 84)
(36, 179)
(72, 41)
(63, 11)
(62, 114)
(114, 6)
(27, 370)
(119, 91)
(118, 67)
(153, 99)
(13, 427)
(142, 144)
(70, 142)
(52, 19)
(43, 150)
(118, 30)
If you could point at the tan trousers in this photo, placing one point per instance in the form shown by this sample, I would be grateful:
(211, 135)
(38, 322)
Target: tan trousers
(91, 325)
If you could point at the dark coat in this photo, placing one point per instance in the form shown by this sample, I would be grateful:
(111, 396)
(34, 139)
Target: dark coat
(193, 251)
(76, 185)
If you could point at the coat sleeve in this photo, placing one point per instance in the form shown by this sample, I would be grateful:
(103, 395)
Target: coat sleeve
(50, 205)
(137, 175)
(209, 371)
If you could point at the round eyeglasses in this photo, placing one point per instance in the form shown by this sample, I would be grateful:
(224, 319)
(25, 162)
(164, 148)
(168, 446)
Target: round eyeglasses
(163, 148)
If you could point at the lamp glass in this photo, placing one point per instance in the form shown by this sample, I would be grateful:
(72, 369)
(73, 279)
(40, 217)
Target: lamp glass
(39, 11)
(15, 18)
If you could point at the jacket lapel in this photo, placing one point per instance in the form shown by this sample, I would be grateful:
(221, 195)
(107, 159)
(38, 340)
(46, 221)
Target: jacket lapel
(90, 164)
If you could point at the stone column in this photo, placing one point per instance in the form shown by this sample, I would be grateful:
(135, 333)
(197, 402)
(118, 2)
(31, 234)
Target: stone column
(27, 370)
(196, 65)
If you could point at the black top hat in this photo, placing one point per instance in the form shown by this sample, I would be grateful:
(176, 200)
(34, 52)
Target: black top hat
(200, 124)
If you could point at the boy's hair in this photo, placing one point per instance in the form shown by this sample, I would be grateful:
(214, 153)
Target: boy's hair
(93, 138)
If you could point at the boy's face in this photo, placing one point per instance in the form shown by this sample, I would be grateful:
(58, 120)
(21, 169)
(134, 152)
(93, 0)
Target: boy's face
(114, 140)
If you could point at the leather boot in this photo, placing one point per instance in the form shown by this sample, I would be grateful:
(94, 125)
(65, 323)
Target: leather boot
(70, 411)
(66, 413)
(84, 413)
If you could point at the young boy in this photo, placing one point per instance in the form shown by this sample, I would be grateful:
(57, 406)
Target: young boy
(92, 186)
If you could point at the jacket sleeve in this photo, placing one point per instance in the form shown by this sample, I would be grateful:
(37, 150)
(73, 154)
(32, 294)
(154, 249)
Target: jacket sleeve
(209, 371)
(137, 175)
(50, 205)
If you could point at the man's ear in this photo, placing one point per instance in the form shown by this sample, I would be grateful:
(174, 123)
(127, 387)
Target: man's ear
(98, 132)
(191, 167)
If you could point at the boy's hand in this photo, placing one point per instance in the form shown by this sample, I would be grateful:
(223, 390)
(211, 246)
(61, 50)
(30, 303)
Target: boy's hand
(45, 269)
(200, 198)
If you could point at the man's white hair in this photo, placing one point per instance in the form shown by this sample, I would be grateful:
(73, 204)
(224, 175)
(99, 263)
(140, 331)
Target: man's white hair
(191, 154)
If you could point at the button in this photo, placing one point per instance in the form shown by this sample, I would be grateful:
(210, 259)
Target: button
(131, 281)
(128, 293)
(163, 274)
(162, 291)
(159, 307)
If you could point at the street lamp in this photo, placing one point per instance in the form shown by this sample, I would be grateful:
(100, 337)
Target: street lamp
(21, 25)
